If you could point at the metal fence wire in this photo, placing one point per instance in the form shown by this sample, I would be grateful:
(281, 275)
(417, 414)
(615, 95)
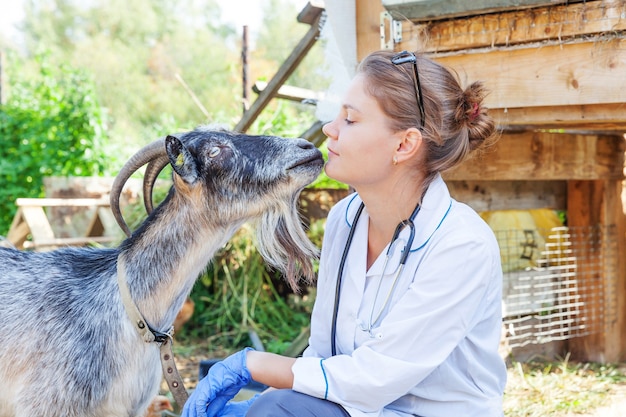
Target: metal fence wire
(558, 284)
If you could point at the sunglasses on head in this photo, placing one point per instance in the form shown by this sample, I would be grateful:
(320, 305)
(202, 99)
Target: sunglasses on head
(402, 58)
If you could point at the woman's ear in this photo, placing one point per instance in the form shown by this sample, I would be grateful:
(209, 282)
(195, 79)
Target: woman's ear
(409, 145)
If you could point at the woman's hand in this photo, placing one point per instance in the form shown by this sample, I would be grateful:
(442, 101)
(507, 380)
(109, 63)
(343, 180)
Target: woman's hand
(222, 383)
(237, 409)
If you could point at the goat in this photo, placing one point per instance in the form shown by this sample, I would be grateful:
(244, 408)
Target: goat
(68, 347)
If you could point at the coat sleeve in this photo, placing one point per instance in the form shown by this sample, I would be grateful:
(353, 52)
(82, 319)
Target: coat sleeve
(455, 289)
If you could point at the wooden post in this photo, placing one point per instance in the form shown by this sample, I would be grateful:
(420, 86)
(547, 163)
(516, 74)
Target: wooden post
(285, 70)
(598, 202)
(367, 27)
(593, 168)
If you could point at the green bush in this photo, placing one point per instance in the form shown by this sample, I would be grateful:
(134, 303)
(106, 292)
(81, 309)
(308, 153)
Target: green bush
(49, 127)
(238, 293)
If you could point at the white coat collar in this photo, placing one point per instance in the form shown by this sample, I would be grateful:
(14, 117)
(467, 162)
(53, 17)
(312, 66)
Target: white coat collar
(435, 207)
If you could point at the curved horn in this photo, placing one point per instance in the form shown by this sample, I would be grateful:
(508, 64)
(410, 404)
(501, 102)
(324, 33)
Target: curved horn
(153, 170)
(142, 157)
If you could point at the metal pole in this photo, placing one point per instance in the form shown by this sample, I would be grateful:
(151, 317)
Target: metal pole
(244, 70)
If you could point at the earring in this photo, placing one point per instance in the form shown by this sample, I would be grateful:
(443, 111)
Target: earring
(395, 160)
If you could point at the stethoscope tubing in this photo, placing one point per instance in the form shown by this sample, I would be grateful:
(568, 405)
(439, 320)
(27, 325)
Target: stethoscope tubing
(403, 257)
(342, 264)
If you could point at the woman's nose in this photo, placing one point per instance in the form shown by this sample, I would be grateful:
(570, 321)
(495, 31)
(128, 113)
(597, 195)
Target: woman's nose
(329, 130)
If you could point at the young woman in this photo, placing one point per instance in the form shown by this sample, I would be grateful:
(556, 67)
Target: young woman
(407, 318)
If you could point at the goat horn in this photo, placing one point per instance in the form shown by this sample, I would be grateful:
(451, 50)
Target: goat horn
(142, 157)
(153, 170)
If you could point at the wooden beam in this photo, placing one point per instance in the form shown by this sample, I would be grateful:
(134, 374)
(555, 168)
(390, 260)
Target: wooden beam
(311, 12)
(288, 92)
(556, 23)
(556, 75)
(283, 73)
(546, 156)
(603, 284)
(367, 26)
(314, 134)
(606, 117)
(68, 241)
(447, 9)
(509, 195)
(62, 202)
(553, 67)
(613, 214)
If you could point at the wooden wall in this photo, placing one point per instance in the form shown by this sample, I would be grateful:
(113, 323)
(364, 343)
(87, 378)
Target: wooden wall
(557, 77)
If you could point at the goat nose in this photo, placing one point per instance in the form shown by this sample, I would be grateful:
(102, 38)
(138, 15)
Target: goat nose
(305, 144)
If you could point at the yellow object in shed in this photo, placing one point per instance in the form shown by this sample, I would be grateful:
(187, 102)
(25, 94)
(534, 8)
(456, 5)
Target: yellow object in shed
(522, 235)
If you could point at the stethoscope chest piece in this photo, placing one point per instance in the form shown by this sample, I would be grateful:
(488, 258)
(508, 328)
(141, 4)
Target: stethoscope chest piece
(374, 318)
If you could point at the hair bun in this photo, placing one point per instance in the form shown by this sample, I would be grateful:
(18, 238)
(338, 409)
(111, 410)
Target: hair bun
(473, 114)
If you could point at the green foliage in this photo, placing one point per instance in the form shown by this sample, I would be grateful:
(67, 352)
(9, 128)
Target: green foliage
(143, 56)
(148, 57)
(148, 61)
(324, 181)
(49, 127)
(238, 293)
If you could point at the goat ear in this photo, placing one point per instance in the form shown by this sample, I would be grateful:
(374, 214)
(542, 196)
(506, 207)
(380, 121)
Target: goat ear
(182, 162)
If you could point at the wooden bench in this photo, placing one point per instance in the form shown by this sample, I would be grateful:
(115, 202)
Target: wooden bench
(31, 220)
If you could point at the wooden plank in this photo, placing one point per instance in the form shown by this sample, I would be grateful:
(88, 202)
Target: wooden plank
(616, 330)
(31, 219)
(18, 232)
(556, 75)
(546, 156)
(598, 203)
(96, 226)
(367, 27)
(556, 23)
(62, 202)
(311, 12)
(447, 9)
(606, 117)
(68, 241)
(283, 73)
(508, 195)
(38, 223)
(583, 201)
(288, 92)
(314, 134)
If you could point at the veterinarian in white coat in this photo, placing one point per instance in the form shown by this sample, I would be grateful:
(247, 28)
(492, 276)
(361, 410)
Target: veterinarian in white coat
(407, 317)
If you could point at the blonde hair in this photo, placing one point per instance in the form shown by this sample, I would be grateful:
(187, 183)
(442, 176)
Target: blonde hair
(456, 122)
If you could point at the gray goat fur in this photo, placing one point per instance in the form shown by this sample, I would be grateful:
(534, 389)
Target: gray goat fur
(67, 347)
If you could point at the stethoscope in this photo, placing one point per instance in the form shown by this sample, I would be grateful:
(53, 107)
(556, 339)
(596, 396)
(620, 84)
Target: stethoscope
(403, 257)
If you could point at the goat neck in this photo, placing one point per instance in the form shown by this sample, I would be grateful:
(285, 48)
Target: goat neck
(220, 181)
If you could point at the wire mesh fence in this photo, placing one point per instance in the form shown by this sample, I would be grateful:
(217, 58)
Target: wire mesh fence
(558, 283)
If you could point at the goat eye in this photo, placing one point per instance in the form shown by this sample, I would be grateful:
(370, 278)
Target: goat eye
(214, 152)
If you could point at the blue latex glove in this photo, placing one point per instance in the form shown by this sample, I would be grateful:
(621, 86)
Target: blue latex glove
(237, 409)
(222, 383)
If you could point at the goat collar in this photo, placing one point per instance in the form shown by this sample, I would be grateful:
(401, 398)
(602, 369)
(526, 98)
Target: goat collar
(148, 334)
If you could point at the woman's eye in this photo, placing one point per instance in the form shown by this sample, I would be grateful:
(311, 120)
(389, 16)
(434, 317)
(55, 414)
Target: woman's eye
(348, 121)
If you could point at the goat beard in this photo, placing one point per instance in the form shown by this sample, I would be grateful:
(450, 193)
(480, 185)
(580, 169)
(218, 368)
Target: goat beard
(284, 244)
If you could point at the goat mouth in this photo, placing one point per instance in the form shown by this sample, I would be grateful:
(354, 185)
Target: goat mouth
(311, 160)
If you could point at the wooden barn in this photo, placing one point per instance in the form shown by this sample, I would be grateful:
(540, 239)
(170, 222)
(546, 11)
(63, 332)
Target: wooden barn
(557, 75)
(553, 186)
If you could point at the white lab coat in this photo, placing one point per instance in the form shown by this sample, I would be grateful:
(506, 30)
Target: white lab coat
(434, 353)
